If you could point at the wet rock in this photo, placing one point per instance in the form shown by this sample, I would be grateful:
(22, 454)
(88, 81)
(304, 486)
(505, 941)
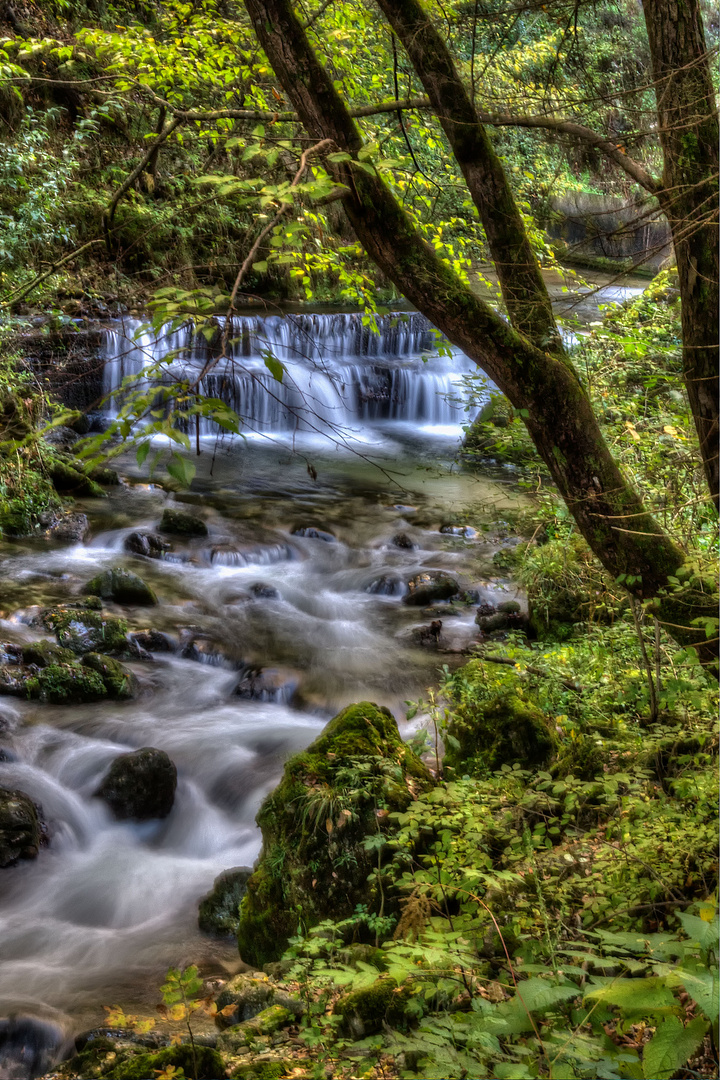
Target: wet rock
(509, 607)
(150, 545)
(203, 650)
(20, 828)
(61, 436)
(312, 533)
(237, 1038)
(267, 684)
(402, 540)
(180, 523)
(45, 652)
(29, 1046)
(264, 591)
(10, 653)
(218, 912)
(430, 587)
(153, 641)
(508, 616)
(83, 628)
(242, 998)
(69, 528)
(121, 586)
(140, 786)
(306, 835)
(465, 531)
(387, 585)
(121, 1059)
(484, 610)
(119, 682)
(428, 636)
(104, 475)
(66, 684)
(13, 681)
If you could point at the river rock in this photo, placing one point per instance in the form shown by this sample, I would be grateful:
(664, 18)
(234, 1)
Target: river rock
(121, 586)
(140, 786)
(459, 530)
(309, 829)
(119, 682)
(68, 480)
(249, 996)
(69, 528)
(45, 652)
(66, 684)
(83, 627)
(13, 681)
(427, 636)
(153, 641)
(148, 544)
(20, 828)
(312, 533)
(29, 1046)
(387, 585)
(218, 912)
(267, 684)
(180, 523)
(402, 540)
(264, 591)
(429, 587)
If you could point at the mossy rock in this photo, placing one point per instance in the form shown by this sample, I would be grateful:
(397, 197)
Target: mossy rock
(314, 864)
(119, 682)
(365, 1011)
(45, 652)
(203, 1063)
(68, 480)
(430, 587)
(265, 1070)
(242, 1035)
(83, 628)
(505, 729)
(121, 586)
(66, 684)
(20, 829)
(218, 912)
(180, 523)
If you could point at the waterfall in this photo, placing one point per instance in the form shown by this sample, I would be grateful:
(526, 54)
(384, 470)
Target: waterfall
(338, 371)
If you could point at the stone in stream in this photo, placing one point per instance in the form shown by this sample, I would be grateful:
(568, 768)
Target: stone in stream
(218, 912)
(66, 684)
(69, 527)
(263, 591)
(267, 684)
(119, 682)
(140, 786)
(308, 830)
(45, 652)
(180, 523)
(148, 544)
(121, 586)
(430, 586)
(82, 627)
(153, 641)
(312, 533)
(402, 540)
(387, 585)
(459, 530)
(20, 828)
(29, 1046)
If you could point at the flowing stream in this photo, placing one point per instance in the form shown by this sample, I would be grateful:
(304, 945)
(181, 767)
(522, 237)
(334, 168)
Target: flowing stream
(357, 442)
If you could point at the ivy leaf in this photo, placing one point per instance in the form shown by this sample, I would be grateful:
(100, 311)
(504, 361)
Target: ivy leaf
(671, 1046)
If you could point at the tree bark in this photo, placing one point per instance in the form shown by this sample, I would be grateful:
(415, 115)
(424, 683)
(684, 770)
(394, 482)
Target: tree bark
(688, 128)
(544, 388)
(524, 292)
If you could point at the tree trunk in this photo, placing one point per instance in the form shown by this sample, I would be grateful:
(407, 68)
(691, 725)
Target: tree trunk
(544, 388)
(688, 128)
(526, 298)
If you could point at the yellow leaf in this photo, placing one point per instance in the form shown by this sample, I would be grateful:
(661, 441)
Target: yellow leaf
(670, 430)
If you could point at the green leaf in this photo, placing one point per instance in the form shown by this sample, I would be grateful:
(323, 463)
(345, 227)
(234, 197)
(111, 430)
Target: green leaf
(671, 1047)
(644, 996)
(181, 470)
(702, 986)
(142, 452)
(274, 366)
(705, 933)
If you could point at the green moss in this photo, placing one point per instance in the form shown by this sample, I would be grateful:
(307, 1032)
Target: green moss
(365, 1011)
(42, 653)
(118, 681)
(266, 1022)
(264, 1070)
(82, 628)
(314, 863)
(66, 684)
(203, 1064)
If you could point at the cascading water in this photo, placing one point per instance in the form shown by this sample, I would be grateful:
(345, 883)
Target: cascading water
(338, 372)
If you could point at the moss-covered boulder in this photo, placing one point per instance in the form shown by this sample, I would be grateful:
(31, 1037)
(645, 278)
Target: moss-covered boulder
(267, 1022)
(180, 523)
(121, 586)
(66, 684)
(83, 627)
(200, 1062)
(45, 652)
(429, 587)
(365, 1011)
(148, 544)
(68, 480)
(247, 996)
(494, 723)
(119, 682)
(140, 786)
(219, 911)
(314, 862)
(20, 829)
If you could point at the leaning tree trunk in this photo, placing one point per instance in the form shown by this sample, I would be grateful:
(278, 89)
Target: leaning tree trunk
(544, 388)
(526, 298)
(688, 128)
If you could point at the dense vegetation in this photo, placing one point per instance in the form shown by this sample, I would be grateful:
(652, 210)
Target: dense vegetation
(529, 888)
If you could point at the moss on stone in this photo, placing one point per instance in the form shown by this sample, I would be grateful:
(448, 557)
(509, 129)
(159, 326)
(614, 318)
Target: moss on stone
(119, 682)
(42, 653)
(264, 1070)
(365, 1011)
(83, 628)
(244, 1034)
(202, 1064)
(314, 864)
(121, 586)
(66, 684)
